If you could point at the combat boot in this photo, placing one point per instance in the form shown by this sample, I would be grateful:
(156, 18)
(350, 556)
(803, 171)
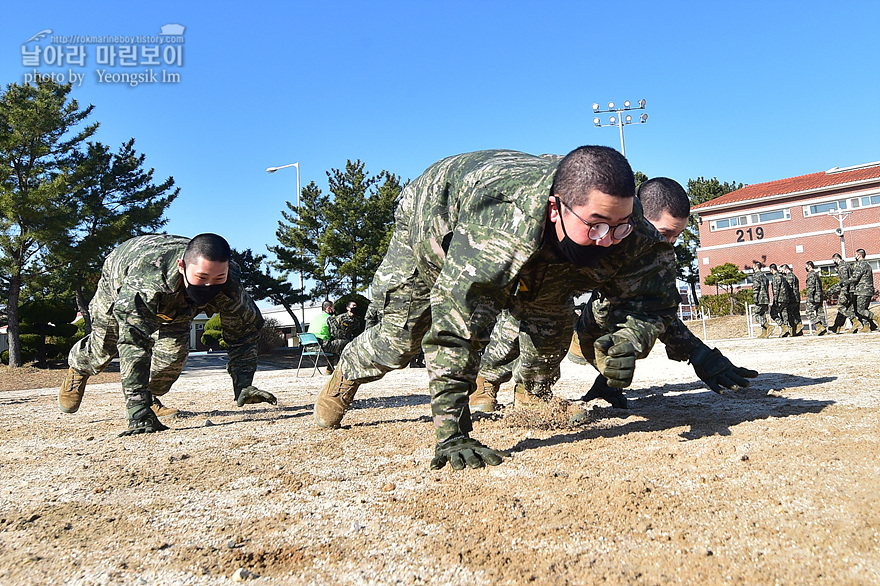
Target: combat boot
(575, 354)
(856, 326)
(73, 388)
(522, 399)
(798, 329)
(821, 330)
(161, 410)
(484, 399)
(786, 332)
(335, 399)
(765, 332)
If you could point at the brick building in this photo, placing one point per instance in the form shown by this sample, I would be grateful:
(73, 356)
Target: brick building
(792, 221)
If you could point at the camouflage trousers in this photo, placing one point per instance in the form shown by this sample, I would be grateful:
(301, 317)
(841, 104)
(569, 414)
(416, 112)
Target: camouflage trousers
(794, 313)
(760, 313)
(844, 310)
(170, 347)
(815, 313)
(497, 362)
(863, 303)
(779, 314)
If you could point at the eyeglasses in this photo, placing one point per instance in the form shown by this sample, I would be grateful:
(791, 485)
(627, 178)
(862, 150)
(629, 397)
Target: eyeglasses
(599, 230)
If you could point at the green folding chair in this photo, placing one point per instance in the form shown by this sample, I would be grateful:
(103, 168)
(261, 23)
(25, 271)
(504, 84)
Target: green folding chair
(311, 347)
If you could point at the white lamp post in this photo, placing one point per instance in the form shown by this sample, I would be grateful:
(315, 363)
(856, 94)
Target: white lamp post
(619, 120)
(301, 286)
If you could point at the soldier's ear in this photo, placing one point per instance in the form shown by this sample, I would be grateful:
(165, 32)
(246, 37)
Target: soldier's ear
(180, 266)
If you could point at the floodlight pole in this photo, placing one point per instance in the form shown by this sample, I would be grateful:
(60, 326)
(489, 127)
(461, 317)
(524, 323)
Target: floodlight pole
(619, 120)
(302, 304)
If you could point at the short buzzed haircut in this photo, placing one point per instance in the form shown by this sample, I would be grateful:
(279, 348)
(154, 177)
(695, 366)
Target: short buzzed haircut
(836, 255)
(772, 267)
(326, 305)
(758, 264)
(662, 194)
(810, 265)
(861, 252)
(592, 167)
(209, 247)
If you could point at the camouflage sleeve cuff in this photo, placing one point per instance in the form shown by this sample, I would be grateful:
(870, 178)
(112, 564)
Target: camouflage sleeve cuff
(680, 342)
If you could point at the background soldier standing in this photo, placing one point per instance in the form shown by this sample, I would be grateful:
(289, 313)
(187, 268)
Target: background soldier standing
(781, 299)
(845, 297)
(150, 290)
(862, 286)
(815, 298)
(794, 305)
(761, 298)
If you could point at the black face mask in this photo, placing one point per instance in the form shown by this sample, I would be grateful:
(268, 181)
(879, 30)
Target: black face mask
(201, 294)
(578, 254)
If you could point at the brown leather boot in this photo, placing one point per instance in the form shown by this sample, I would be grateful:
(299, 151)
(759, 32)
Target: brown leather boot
(161, 410)
(856, 326)
(765, 332)
(73, 388)
(786, 332)
(335, 399)
(484, 399)
(821, 330)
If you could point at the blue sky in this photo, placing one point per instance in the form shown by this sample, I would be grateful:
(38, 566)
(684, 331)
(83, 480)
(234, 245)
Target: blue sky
(742, 91)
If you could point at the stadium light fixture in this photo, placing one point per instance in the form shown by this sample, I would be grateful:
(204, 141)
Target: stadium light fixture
(620, 120)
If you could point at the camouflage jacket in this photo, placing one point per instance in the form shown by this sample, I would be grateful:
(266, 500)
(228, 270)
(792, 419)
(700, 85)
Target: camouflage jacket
(795, 286)
(760, 288)
(344, 326)
(782, 294)
(814, 287)
(147, 289)
(844, 274)
(476, 224)
(862, 278)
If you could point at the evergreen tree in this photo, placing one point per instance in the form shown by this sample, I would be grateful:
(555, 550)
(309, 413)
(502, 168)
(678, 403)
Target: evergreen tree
(260, 283)
(37, 143)
(115, 200)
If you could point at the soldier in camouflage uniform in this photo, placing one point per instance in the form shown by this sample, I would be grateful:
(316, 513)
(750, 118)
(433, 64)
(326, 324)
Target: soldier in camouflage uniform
(485, 231)
(150, 290)
(845, 297)
(761, 298)
(815, 299)
(794, 304)
(862, 285)
(343, 329)
(781, 300)
(667, 208)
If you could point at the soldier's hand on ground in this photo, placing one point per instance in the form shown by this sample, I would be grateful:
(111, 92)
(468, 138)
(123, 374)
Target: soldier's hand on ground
(616, 359)
(144, 421)
(717, 371)
(250, 395)
(460, 451)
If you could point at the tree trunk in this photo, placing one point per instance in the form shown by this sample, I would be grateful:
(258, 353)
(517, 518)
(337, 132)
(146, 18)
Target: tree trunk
(293, 315)
(13, 330)
(83, 308)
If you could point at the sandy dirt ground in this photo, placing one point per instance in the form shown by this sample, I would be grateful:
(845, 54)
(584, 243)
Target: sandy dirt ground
(775, 484)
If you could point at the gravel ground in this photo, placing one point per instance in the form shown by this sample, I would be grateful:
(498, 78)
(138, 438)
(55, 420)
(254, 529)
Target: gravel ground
(775, 484)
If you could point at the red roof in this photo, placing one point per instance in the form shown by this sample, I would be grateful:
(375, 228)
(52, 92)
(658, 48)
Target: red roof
(810, 182)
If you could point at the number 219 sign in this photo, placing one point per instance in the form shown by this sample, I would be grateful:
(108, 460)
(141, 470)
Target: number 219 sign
(758, 235)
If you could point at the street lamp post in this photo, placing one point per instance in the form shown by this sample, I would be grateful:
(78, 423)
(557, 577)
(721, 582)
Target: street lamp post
(841, 216)
(619, 120)
(302, 304)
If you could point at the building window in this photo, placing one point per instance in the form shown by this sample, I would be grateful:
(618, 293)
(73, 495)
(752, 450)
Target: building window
(841, 204)
(751, 219)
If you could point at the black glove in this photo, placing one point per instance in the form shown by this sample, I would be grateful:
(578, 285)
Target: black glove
(616, 359)
(252, 394)
(717, 371)
(461, 450)
(143, 421)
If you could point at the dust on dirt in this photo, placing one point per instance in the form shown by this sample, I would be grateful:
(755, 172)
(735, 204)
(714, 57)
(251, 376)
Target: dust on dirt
(777, 483)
